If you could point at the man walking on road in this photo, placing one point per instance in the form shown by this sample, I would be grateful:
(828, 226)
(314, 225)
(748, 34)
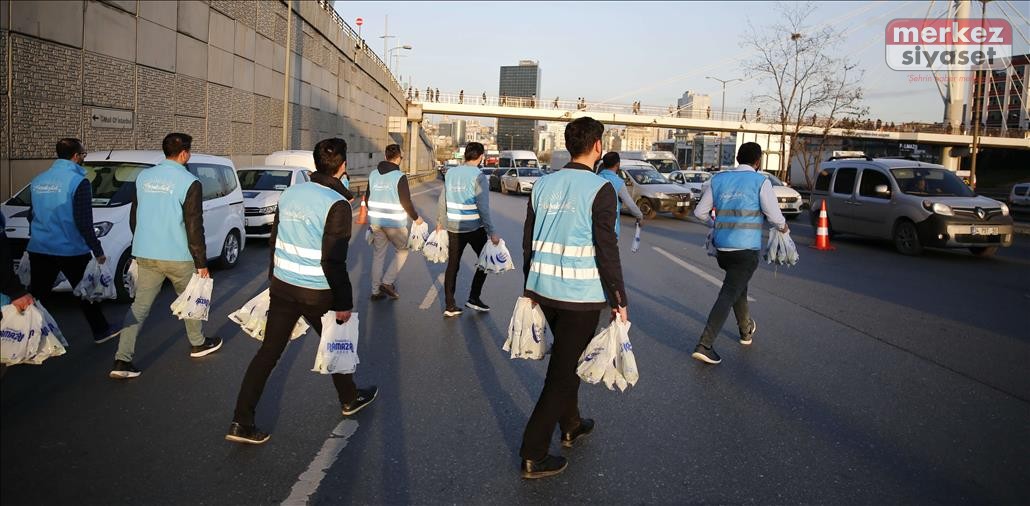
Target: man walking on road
(610, 172)
(573, 272)
(741, 196)
(389, 207)
(167, 220)
(464, 209)
(308, 278)
(62, 237)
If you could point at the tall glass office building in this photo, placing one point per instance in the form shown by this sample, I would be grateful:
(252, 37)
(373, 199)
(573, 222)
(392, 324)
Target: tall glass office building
(522, 80)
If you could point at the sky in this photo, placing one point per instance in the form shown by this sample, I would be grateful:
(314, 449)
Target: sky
(620, 52)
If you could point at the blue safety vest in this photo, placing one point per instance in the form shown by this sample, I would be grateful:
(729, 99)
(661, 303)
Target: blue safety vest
(160, 226)
(384, 203)
(53, 230)
(303, 209)
(564, 265)
(738, 209)
(460, 191)
(619, 184)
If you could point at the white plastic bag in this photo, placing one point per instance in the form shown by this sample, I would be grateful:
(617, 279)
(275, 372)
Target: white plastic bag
(130, 279)
(636, 240)
(29, 337)
(418, 236)
(14, 335)
(97, 283)
(435, 248)
(528, 335)
(495, 259)
(369, 236)
(781, 249)
(24, 270)
(338, 346)
(194, 303)
(253, 317)
(609, 358)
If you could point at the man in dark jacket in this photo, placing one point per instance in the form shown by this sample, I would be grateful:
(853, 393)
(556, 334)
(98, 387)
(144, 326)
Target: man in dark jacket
(389, 208)
(11, 289)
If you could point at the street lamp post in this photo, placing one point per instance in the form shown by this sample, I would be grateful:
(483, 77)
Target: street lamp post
(722, 112)
(390, 52)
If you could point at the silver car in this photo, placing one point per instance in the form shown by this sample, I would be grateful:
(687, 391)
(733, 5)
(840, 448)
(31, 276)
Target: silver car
(520, 180)
(654, 193)
(914, 204)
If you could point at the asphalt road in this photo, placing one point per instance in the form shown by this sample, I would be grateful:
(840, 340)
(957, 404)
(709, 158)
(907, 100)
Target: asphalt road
(873, 379)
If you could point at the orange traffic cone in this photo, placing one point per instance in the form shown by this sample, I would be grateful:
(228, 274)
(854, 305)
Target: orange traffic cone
(822, 231)
(362, 214)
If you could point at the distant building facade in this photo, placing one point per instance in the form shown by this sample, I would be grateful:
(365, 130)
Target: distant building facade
(522, 80)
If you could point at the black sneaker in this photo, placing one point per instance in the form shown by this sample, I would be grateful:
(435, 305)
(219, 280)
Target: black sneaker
(376, 296)
(477, 305)
(390, 291)
(745, 336)
(547, 466)
(106, 335)
(124, 370)
(365, 397)
(452, 311)
(707, 355)
(211, 345)
(586, 426)
(247, 434)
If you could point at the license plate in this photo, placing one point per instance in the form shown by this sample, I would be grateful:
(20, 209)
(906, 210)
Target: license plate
(682, 204)
(985, 231)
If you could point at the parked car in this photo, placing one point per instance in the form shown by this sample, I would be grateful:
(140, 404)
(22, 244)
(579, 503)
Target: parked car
(262, 187)
(692, 179)
(520, 180)
(112, 175)
(653, 192)
(291, 158)
(788, 198)
(914, 204)
(1020, 195)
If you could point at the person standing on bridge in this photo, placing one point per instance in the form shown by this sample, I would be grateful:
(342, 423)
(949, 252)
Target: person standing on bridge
(555, 102)
(464, 210)
(573, 272)
(484, 98)
(610, 172)
(167, 220)
(758, 115)
(461, 97)
(389, 207)
(308, 278)
(436, 97)
(743, 117)
(62, 238)
(741, 196)
(708, 112)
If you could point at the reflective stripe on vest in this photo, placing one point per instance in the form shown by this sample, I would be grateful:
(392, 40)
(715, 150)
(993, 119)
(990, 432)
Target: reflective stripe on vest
(618, 184)
(460, 191)
(384, 202)
(564, 265)
(738, 215)
(53, 230)
(160, 226)
(303, 210)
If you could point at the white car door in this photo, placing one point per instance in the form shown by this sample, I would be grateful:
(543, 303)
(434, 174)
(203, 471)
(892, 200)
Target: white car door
(216, 205)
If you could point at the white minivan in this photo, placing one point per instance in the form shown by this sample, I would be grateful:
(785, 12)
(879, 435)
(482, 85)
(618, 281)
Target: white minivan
(112, 175)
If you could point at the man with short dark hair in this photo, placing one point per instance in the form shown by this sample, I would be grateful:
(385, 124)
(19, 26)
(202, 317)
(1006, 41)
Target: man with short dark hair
(464, 210)
(572, 270)
(389, 208)
(62, 236)
(610, 163)
(308, 278)
(741, 196)
(167, 220)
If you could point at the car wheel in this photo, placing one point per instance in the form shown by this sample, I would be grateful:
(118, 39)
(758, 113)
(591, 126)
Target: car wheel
(646, 208)
(122, 274)
(984, 251)
(906, 238)
(230, 251)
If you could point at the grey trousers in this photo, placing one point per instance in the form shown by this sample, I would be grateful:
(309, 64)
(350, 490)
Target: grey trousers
(381, 238)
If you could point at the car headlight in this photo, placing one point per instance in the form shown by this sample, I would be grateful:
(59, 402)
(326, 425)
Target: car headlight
(938, 208)
(1004, 209)
(660, 195)
(268, 210)
(102, 228)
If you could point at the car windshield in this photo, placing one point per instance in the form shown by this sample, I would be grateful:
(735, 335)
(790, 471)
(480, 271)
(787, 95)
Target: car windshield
(113, 184)
(525, 163)
(664, 166)
(773, 179)
(931, 182)
(647, 176)
(530, 173)
(264, 179)
(696, 177)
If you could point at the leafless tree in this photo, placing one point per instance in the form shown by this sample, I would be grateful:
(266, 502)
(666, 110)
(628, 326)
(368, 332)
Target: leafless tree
(797, 66)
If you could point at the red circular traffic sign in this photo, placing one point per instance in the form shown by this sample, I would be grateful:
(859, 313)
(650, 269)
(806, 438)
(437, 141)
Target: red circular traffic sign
(360, 22)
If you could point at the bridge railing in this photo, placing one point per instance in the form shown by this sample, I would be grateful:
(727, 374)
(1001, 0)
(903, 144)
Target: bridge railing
(359, 43)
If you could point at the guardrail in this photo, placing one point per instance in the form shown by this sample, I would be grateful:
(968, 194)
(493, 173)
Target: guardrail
(359, 43)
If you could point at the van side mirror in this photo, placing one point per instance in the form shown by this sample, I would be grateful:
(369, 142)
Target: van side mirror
(882, 190)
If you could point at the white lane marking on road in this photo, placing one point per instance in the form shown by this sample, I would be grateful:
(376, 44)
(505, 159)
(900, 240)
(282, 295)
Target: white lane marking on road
(311, 478)
(702, 274)
(432, 294)
(427, 191)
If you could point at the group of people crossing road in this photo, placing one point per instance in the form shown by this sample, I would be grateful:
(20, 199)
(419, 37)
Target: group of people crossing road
(572, 267)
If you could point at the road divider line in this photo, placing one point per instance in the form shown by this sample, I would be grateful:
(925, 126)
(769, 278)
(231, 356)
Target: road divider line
(702, 274)
(432, 294)
(434, 188)
(308, 482)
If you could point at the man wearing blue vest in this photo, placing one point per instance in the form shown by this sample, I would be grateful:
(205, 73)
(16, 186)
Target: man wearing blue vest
(610, 172)
(307, 278)
(741, 197)
(573, 272)
(389, 207)
(167, 222)
(62, 238)
(464, 209)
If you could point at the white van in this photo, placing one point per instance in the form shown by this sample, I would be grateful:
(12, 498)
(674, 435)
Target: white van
(112, 175)
(664, 161)
(516, 158)
(292, 158)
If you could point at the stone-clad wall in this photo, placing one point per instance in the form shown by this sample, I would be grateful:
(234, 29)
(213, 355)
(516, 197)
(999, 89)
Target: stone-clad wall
(215, 70)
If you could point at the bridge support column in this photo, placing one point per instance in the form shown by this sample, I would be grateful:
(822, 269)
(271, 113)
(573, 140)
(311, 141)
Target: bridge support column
(414, 114)
(951, 156)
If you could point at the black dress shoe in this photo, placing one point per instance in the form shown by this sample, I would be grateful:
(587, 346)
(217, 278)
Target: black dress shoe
(586, 426)
(547, 466)
(247, 434)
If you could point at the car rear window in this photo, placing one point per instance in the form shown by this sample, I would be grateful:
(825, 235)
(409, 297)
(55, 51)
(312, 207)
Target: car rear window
(1022, 191)
(822, 183)
(845, 182)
